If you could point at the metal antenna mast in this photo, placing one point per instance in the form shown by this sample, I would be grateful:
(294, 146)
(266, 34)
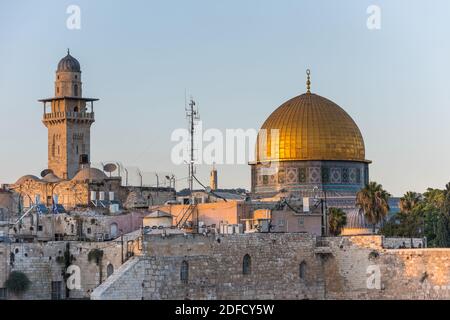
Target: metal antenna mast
(192, 116)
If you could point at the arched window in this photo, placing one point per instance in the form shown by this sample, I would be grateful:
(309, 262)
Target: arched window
(109, 270)
(247, 264)
(75, 109)
(302, 270)
(75, 90)
(184, 271)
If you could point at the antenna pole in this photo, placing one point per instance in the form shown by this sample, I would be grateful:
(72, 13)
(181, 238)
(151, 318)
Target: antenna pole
(191, 160)
(192, 116)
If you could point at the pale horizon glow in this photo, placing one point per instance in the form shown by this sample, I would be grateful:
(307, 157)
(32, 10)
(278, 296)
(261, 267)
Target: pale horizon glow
(240, 60)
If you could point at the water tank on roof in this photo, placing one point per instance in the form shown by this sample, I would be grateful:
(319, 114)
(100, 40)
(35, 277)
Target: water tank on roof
(114, 208)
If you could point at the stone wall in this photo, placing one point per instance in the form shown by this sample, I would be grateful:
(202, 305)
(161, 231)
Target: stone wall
(125, 284)
(356, 267)
(351, 272)
(402, 243)
(43, 263)
(216, 268)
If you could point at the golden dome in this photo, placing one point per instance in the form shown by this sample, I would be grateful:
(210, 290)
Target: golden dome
(310, 127)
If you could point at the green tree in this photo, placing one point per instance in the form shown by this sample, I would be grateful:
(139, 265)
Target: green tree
(372, 200)
(17, 283)
(442, 226)
(409, 201)
(337, 220)
(442, 232)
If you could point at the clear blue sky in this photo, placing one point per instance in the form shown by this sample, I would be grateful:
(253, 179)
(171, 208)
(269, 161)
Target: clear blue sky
(240, 60)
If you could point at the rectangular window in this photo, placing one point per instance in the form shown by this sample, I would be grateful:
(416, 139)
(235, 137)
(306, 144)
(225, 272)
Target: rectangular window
(56, 290)
(39, 228)
(89, 230)
(301, 221)
(265, 179)
(280, 222)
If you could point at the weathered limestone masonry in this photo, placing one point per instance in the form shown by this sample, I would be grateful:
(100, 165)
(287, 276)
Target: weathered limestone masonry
(404, 273)
(216, 268)
(43, 263)
(336, 268)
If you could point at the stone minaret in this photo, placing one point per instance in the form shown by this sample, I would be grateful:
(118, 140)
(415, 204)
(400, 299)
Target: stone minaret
(68, 121)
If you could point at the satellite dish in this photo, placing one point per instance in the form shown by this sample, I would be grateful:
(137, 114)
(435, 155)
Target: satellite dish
(46, 172)
(109, 167)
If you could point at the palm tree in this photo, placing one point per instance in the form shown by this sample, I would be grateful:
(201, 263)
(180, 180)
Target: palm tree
(446, 201)
(372, 200)
(337, 220)
(409, 201)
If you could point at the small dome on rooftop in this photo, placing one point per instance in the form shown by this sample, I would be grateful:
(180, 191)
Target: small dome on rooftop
(69, 63)
(51, 177)
(27, 177)
(90, 174)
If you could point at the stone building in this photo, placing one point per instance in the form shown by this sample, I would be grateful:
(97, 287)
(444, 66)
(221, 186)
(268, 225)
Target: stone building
(44, 264)
(90, 187)
(68, 121)
(309, 146)
(86, 225)
(69, 180)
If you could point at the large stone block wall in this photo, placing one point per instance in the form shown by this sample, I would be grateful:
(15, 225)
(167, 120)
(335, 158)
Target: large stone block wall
(403, 273)
(216, 268)
(40, 262)
(336, 268)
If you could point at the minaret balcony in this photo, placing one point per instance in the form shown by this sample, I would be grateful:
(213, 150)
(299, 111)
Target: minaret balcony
(69, 116)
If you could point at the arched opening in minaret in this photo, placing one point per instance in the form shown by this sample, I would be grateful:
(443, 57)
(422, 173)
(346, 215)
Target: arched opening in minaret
(53, 145)
(75, 90)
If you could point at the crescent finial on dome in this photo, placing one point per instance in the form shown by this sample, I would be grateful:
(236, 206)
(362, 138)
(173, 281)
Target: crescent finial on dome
(308, 81)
